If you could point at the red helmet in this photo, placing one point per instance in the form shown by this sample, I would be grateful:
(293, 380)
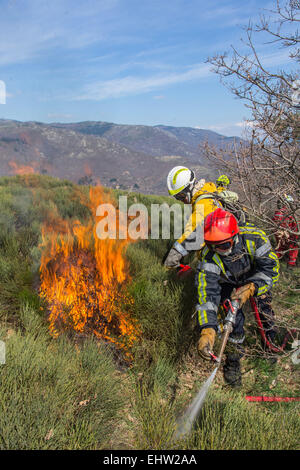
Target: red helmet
(220, 226)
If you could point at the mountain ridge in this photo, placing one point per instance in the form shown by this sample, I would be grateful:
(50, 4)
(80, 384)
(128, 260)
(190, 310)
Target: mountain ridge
(133, 157)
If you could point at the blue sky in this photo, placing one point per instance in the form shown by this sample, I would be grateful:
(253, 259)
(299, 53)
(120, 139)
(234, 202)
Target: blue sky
(124, 61)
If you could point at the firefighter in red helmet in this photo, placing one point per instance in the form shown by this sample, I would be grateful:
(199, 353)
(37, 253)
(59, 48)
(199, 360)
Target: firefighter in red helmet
(237, 262)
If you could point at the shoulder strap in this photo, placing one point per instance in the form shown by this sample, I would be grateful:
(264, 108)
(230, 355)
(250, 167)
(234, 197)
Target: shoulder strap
(213, 196)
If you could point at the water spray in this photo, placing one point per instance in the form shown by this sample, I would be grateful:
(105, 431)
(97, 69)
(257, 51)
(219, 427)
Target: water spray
(187, 420)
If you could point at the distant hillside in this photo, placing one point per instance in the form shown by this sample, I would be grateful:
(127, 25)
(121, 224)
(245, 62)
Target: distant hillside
(120, 156)
(154, 140)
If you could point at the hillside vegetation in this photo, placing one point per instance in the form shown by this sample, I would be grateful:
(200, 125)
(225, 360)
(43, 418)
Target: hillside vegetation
(123, 157)
(80, 392)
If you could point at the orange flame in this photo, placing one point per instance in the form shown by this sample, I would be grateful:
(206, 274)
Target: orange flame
(22, 169)
(87, 169)
(83, 278)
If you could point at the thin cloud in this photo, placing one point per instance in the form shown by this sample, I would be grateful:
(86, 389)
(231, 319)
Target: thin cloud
(131, 85)
(29, 28)
(276, 58)
(230, 128)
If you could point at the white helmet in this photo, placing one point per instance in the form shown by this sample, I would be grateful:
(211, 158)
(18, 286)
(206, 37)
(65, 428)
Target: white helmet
(180, 178)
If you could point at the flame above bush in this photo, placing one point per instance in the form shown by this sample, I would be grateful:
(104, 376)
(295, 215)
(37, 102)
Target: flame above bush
(83, 278)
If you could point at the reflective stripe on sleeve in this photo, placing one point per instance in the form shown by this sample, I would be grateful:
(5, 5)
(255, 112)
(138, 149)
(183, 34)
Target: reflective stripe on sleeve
(273, 256)
(202, 288)
(261, 277)
(262, 250)
(219, 262)
(203, 312)
(202, 317)
(208, 306)
(263, 290)
(204, 252)
(211, 267)
(253, 231)
(180, 249)
(251, 248)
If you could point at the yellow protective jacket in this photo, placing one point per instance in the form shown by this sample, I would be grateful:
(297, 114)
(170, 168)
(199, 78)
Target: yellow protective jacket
(203, 203)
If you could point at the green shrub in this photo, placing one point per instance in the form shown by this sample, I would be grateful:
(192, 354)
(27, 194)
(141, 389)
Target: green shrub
(229, 422)
(55, 395)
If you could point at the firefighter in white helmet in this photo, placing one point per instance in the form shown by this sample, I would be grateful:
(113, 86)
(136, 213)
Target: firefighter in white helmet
(182, 185)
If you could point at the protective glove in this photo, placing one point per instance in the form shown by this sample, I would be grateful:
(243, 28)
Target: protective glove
(243, 293)
(173, 259)
(206, 342)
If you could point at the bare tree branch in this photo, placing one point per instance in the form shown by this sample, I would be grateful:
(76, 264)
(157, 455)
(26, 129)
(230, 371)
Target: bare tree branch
(265, 166)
